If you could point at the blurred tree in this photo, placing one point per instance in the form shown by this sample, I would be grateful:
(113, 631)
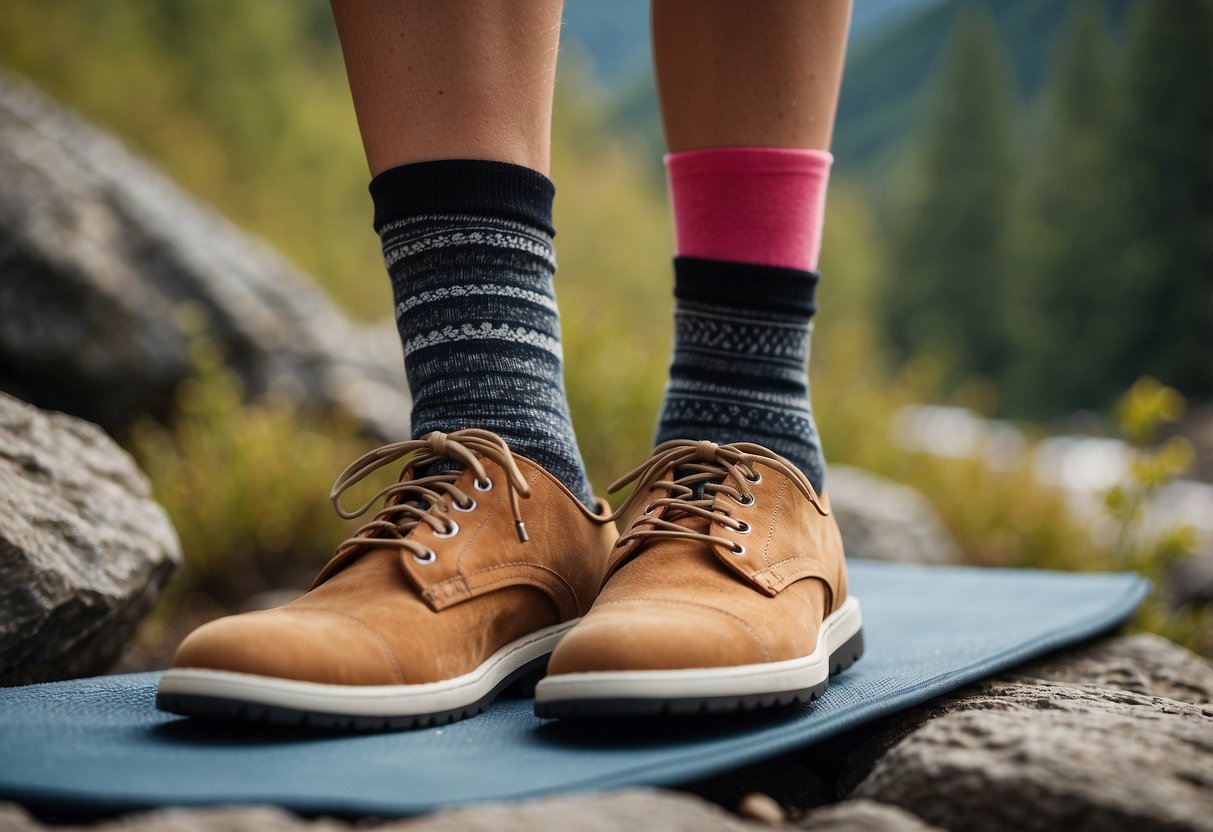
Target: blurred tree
(947, 285)
(1061, 318)
(1163, 288)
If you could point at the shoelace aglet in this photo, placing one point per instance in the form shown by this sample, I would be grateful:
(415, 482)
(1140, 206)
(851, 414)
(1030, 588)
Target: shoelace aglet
(521, 527)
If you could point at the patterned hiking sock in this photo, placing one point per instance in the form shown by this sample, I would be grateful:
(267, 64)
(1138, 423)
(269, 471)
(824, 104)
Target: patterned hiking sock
(748, 224)
(741, 349)
(468, 246)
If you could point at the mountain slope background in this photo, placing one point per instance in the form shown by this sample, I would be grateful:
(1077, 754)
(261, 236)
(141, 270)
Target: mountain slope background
(894, 53)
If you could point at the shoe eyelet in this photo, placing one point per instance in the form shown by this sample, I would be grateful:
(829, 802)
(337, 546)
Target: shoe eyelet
(738, 549)
(486, 486)
(451, 532)
(471, 506)
(746, 500)
(428, 557)
(757, 478)
(650, 508)
(743, 528)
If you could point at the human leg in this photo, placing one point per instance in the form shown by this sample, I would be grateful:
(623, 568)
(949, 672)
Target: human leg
(454, 104)
(728, 590)
(489, 544)
(468, 80)
(748, 94)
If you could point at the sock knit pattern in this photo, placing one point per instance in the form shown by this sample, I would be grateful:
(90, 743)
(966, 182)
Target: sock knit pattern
(741, 351)
(468, 246)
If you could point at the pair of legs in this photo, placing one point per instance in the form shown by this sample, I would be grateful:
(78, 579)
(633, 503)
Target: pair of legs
(474, 79)
(439, 82)
(490, 560)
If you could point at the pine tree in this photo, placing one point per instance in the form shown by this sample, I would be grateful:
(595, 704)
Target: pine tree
(1163, 288)
(1061, 324)
(947, 288)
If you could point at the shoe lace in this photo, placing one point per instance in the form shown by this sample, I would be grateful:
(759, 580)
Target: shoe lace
(426, 499)
(700, 472)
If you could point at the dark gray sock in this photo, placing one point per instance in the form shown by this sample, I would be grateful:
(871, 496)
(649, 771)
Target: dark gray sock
(741, 351)
(468, 245)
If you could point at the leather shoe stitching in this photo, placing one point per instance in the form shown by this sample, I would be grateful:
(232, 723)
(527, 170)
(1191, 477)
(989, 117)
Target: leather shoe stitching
(480, 530)
(766, 546)
(462, 578)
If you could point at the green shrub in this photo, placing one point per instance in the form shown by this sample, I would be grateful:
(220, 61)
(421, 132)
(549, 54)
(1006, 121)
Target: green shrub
(1153, 552)
(246, 485)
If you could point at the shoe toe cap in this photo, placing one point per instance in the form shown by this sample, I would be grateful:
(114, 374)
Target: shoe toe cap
(299, 644)
(657, 636)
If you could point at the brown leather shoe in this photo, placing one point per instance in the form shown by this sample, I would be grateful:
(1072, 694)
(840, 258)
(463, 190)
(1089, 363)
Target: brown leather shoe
(433, 608)
(727, 592)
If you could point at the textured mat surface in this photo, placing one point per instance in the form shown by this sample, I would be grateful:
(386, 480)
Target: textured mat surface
(100, 745)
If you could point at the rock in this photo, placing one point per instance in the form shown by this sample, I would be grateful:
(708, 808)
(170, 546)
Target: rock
(1012, 756)
(663, 811)
(1111, 735)
(883, 520)
(761, 807)
(84, 551)
(226, 819)
(104, 258)
(1144, 664)
(631, 809)
(863, 816)
(795, 784)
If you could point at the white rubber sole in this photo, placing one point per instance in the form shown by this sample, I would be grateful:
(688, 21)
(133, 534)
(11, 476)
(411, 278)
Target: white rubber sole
(700, 690)
(228, 695)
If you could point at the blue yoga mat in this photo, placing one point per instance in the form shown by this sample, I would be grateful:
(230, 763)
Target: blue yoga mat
(99, 745)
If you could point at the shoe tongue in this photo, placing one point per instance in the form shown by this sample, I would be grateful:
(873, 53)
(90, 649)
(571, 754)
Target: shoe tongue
(698, 493)
(410, 472)
(439, 466)
(690, 521)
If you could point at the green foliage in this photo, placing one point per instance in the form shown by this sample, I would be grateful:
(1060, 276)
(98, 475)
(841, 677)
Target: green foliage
(245, 485)
(948, 292)
(1152, 551)
(1003, 518)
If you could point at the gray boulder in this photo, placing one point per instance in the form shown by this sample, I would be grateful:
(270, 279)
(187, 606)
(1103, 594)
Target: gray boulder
(884, 520)
(1085, 740)
(1144, 664)
(102, 258)
(84, 551)
(863, 816)
(632, 809)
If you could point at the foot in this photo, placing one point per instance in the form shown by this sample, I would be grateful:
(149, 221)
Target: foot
(455, 590)
(727, 592)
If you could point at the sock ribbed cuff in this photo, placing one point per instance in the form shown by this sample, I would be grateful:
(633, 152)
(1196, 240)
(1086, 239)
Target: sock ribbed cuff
(750, 204)
(747, 286)
(464, 186)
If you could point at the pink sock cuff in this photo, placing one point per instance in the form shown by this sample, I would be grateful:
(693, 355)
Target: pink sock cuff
(763, 205)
